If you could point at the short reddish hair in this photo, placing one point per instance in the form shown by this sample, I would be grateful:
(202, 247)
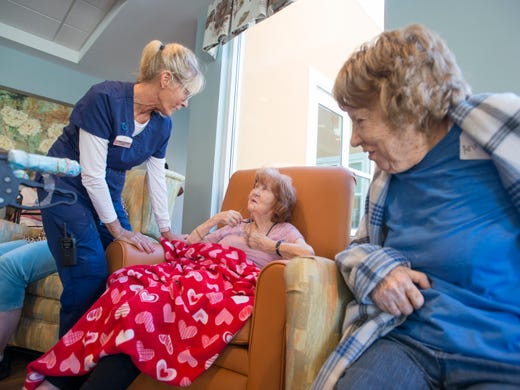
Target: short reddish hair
(283, 191)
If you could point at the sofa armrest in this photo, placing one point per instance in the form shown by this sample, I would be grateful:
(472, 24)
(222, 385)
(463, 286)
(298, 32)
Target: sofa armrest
(121, 254)
(316, 302)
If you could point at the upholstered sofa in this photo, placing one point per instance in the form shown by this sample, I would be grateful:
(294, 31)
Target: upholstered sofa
(38, 327)
(275, 350)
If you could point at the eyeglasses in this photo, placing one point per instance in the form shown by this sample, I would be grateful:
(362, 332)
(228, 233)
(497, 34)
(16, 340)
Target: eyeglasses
(186, 91)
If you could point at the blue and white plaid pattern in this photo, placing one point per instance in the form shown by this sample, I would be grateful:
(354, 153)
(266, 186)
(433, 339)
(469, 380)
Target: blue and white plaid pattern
(493, 121)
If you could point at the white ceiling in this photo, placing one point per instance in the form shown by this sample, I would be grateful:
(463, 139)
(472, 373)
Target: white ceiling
(103, 38)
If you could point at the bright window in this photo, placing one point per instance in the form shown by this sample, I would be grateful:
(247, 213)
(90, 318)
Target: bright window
(285, 114)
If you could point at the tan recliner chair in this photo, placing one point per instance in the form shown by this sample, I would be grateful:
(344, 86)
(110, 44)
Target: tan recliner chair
(256, 358)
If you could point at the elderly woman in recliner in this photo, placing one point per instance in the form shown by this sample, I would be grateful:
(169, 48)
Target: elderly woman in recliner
(171, 320)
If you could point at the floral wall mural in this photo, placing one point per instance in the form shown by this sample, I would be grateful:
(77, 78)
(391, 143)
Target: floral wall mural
(30, 123)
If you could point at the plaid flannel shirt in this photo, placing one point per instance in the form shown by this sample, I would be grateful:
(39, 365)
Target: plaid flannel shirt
(493, 121)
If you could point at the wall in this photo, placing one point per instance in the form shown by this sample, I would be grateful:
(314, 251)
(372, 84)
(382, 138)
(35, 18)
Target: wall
(30, 74)
(279, 54)
(202, 173)
(483, 35)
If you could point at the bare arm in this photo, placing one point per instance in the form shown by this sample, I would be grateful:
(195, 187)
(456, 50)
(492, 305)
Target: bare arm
(228, 217)
(287, 249)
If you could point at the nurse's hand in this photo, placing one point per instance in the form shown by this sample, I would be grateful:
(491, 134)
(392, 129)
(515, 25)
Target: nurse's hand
(140, 241)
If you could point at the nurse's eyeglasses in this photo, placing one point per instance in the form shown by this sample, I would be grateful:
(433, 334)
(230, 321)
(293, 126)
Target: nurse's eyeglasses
(186, 91)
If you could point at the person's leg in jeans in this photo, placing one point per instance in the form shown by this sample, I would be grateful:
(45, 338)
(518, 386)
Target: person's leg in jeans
(400, 362)
(462, 372)
(387, 365)
(21, 263)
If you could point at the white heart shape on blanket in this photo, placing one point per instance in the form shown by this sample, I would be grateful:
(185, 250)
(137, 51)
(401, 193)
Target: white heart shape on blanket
(146, 318)
(72, 337)
(208, 341)
(210, 361)
(153, 274)
(116, 295)
(186, 332)
(164, 373)
(213, 275)
(185, 357)
(168, 314)
(122, 279)
(179, 301)
(88, 362)
(215, 297)
(233, 255)
(238, 299)
(145, 296)
(134, 273)
(193, 297)
(215, 252)
(35, 377)
(240, 268)
(245, 313)
(195, 275)
(135, 287)
(105, 337)
(70, 364)
(224, 316)
(124, 336)
(145, 354)
(215, 287)
(227, 337)
(166, 340)
(90, 337)
(95, 314)
(185, 382)
(201, 315)
(122, 311)
(49, 359)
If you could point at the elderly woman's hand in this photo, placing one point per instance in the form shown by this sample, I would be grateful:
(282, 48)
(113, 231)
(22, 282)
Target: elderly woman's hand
(229, 217)
(398, 292)
(259, 241)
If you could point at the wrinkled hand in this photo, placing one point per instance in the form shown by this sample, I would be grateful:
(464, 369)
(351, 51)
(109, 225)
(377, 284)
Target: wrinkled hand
(140, 241)
(398, 292)
(229, 217)
(258, 241)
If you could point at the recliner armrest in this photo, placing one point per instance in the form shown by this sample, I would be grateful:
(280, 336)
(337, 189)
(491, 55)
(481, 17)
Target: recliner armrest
(316, 301)
(267, 338)
(121, 254)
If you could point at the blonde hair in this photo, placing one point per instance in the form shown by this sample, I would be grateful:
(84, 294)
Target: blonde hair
(175, 58)
(283, 191)
(410, 70)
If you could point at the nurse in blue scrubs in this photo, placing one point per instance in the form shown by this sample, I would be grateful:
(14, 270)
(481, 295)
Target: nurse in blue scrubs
(114, 127)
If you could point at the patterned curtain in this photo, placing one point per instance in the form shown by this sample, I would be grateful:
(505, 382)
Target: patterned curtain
(228, 18)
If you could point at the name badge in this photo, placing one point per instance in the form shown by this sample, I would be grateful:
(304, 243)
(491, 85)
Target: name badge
(470, 149)
(123, 141)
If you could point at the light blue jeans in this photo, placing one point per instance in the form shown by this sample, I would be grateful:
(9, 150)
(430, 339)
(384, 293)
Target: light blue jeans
(22, 263)
(393, 363)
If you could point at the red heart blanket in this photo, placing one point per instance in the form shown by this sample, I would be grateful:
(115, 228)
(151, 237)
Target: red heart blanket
(173, 319)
